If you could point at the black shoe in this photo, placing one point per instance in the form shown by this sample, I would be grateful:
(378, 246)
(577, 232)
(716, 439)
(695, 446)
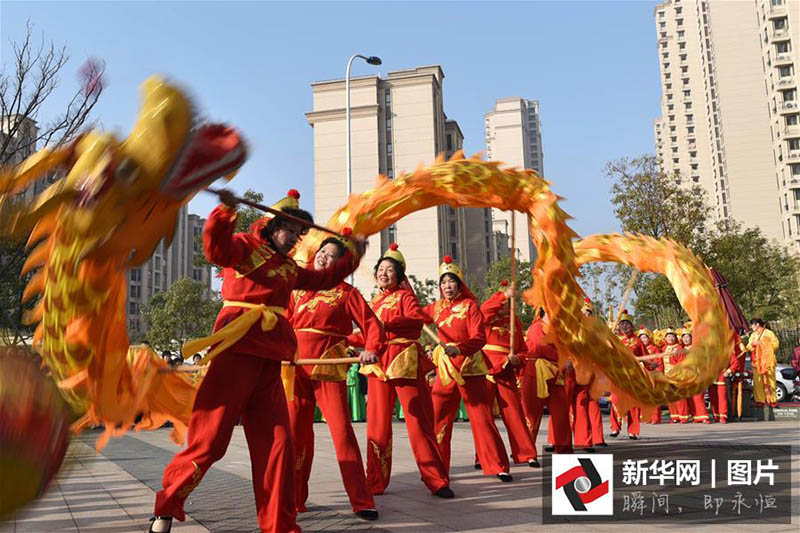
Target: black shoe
(615, 433)
(505, 477)
(549, 448)
(368, 514)
(602, 445)
(161, 525)
(477, 466)
(533, 463)
(445, 492)
(588, 450)
(633, 437)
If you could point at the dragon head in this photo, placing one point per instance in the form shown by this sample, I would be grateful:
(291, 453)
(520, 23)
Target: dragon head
(120, 198)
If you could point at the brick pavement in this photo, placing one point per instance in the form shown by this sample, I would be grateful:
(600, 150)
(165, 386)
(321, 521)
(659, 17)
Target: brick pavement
(114, 492)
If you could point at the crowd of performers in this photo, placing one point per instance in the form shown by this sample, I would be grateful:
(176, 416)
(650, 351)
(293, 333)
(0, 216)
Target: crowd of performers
(274, 309)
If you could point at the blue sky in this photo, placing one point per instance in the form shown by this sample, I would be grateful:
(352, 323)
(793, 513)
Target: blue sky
(592, 65)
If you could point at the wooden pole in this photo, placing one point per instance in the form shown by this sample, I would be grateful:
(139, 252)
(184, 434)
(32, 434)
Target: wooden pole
(278, 212)
(625, 298)
(311, 362)
(512, 300)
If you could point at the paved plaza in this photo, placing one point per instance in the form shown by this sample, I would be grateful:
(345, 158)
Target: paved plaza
(114, 491)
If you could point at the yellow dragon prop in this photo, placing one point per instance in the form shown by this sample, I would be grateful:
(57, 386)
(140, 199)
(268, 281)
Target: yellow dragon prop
(117, 200)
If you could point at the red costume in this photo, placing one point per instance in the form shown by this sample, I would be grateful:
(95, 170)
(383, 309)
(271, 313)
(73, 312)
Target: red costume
(585, 416)
(736, 367)
(697, 403)
(652, 365)
(400, 375)
(322, 322)
(542, 383)
(678, 411)
(459, 323)
(503, 383)
(635, 413)
(252, 337)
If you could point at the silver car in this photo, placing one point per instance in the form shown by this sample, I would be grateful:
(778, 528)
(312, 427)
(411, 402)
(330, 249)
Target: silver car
(784, 380)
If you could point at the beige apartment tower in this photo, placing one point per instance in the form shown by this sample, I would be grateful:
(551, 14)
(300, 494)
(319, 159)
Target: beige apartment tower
(725, 121)
(396, 124)
(514, 136)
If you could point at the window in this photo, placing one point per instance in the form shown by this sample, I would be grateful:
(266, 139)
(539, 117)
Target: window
(678, 10)
(794, 144)
(684, 70)
(133, 308)
(779, 24)
(679, 22)
(389, 149)
(782, 47)
(795, 170)
(690, 130)
(449, 142)
(683, 57)
(157, 279)
(669, 96)
(135, 291)
(791, 120)
(387, 99)
(777, 2)
(661, 14)
(662, 25)
(681, 34)
(388, 123)
(452, 228)
(682, 46)
(687, 105)
(689, 118)
(136, 274)
(785, 71)
(669, 86)
(197, 274)
(454, 251)
(667, 75)
(687, 93)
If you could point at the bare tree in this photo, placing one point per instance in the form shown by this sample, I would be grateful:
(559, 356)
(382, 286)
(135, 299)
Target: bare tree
(25, 86)
(28, 83)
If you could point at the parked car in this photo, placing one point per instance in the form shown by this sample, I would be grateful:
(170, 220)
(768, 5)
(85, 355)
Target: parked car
(784, 380)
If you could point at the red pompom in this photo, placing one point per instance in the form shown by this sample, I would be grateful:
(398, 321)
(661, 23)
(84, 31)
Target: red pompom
(624, 311)
(294, 193)
(504, 283)
(447, 259)
(347, 232)
(587, 300)
(393, 246)
(641, 326)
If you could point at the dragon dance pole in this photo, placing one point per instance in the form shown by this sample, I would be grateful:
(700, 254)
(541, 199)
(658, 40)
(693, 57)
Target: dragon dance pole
(512, 300)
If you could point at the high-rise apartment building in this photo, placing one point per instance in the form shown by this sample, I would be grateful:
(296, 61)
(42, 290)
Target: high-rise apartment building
(514, 136)
(721, 125)
(166, 266)
(397, 123)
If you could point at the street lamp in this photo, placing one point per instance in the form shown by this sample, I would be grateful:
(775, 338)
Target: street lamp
(372, 60)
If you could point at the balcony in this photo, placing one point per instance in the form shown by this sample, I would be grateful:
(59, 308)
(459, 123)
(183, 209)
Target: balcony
(793, 131)
(788, 107)
(779, 35)
(789, 80)
(777, 11)
(793, 156)
(782, 59)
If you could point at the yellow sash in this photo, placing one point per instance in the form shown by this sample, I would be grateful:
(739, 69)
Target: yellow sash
(235, 329)
(497, 348)
(545, 370)
(445, 368)
(400, 370)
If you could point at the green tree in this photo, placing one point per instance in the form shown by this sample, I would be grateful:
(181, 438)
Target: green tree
(427, 290)
(182, 313)
(500, 270)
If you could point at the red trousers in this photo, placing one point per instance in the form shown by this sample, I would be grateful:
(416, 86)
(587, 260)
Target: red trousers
(505, 391)
(633, 416)
(596, 419)
(718, 394)
(583, 419)
(655, 418)
(415, 398)
(557, 404)
(332, 399)
(488, 442)
(679, 412)
(697, 408)
(247, 386)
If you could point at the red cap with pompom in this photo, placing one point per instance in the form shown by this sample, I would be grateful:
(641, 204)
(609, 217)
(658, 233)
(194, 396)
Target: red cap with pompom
(504, 283)
(393, 246)
(347, 231)
(447, 259)
(293, 193)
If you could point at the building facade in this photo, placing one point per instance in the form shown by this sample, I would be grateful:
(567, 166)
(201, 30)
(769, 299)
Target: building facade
(724, 124)
(514, 136)
(397, 123)
(166, 266)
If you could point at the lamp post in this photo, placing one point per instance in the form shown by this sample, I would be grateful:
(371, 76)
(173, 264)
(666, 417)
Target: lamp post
(372, 60)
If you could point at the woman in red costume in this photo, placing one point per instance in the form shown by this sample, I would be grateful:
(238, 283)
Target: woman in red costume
(674, 354)
(462, 371)
(251, 338)
(543, 383)
(585, 414)
(502, 375)
(697, 403)
(400, 374)
(322, 321)
(634, 414)
(653, 365)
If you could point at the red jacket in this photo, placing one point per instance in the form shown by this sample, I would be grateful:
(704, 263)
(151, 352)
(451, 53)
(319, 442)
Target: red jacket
(497, 318)
(331, 314)
(654, 365)
(253, 272)
(402, 318)
(459, 323)
(536, 348)
(635, 344)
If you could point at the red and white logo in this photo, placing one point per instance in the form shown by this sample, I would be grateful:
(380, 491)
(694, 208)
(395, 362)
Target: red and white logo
(583, 484)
